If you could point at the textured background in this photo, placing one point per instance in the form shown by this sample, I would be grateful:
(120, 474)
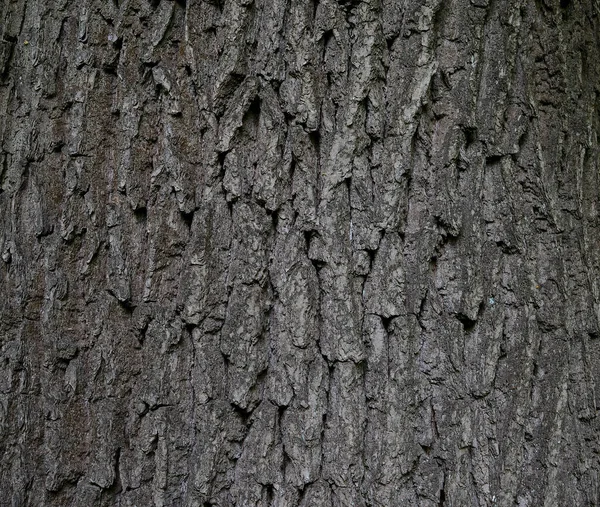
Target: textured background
(299, 253)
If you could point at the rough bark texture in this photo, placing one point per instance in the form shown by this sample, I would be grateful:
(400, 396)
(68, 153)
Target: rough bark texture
(299, 253)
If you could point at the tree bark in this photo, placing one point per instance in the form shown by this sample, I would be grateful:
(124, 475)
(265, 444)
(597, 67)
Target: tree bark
(299, 253)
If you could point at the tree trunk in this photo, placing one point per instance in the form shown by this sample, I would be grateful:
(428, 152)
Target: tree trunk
(304, 253)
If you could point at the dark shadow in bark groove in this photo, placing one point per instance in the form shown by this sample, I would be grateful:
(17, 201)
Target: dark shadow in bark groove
(467, 323)
(187, 218)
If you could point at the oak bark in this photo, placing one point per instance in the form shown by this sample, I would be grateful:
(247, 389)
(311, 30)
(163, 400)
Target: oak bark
(299, 253)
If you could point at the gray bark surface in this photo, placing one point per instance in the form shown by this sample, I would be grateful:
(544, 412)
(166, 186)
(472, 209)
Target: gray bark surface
(299, 253)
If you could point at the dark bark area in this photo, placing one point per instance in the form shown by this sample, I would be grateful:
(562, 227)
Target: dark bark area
(299, 253)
